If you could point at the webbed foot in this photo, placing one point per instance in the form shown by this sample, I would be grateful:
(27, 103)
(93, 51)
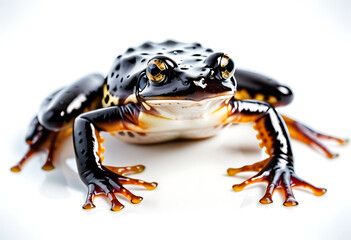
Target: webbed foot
(110, 180)
(279, 174)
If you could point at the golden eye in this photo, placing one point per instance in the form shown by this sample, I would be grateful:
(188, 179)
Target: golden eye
(227, 66)
(156, 70)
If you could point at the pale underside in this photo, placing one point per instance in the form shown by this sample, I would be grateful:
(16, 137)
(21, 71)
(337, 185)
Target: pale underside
(179, 119)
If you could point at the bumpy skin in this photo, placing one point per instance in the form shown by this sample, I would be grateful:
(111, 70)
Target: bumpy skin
(163, 91)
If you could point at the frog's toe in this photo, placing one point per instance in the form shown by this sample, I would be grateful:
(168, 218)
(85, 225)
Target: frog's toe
(255, 179)
(138, 182)
(132, 198)
(126, 170)
(298, 182)
(16, 168)
(344, 141)
(290, 202)
(48, 166)
(19, 165)
(247, 168)
(115, 204)
(90, 197)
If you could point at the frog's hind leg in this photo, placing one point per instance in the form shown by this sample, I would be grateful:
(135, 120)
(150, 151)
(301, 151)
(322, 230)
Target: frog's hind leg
(56, 115)
(311, 137)
(259, 87)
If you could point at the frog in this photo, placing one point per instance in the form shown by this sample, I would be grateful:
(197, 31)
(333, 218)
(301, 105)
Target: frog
(159, 92)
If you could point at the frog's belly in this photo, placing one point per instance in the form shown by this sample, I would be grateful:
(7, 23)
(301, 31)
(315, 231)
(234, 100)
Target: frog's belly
(164, 136)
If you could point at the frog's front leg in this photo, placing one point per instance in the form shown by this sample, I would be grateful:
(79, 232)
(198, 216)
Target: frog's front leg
(87, 144)
(278, 170)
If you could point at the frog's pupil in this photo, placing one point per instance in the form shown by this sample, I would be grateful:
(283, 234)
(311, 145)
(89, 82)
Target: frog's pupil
(230, 65)
(153, 69)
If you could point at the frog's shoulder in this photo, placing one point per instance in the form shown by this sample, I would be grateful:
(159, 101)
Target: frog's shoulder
(122, 79)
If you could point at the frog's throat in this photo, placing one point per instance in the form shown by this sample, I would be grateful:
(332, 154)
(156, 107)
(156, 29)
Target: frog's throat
(181, 109)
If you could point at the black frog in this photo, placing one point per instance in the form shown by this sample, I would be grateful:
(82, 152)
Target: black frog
(164, 91)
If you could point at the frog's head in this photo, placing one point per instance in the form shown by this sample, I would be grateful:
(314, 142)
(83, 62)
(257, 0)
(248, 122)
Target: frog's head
(187, 89)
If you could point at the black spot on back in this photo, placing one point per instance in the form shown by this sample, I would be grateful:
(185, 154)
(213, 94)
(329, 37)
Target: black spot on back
(170, 43)
(192, 47)
(107, 98)
(147, 45)
(130, 50)
(132, 60)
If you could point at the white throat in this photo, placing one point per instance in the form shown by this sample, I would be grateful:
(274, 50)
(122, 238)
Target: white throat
(188, 109)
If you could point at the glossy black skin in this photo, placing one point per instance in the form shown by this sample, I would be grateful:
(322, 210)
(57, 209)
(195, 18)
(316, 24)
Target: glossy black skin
(255, 83)
(188, 63)
(55, 113)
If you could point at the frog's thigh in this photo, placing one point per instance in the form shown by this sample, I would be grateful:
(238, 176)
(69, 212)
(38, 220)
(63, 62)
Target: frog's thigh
(58, 112)
(262, 88)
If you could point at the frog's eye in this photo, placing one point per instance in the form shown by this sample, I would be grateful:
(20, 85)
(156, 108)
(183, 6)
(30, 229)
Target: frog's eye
(226, 66)
(156, 70)
(222, 65)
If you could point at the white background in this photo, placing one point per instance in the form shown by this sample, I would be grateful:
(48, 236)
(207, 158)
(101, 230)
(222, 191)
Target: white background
(305, 44)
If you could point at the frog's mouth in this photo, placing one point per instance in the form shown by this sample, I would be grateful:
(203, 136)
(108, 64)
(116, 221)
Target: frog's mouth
(182, 109)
